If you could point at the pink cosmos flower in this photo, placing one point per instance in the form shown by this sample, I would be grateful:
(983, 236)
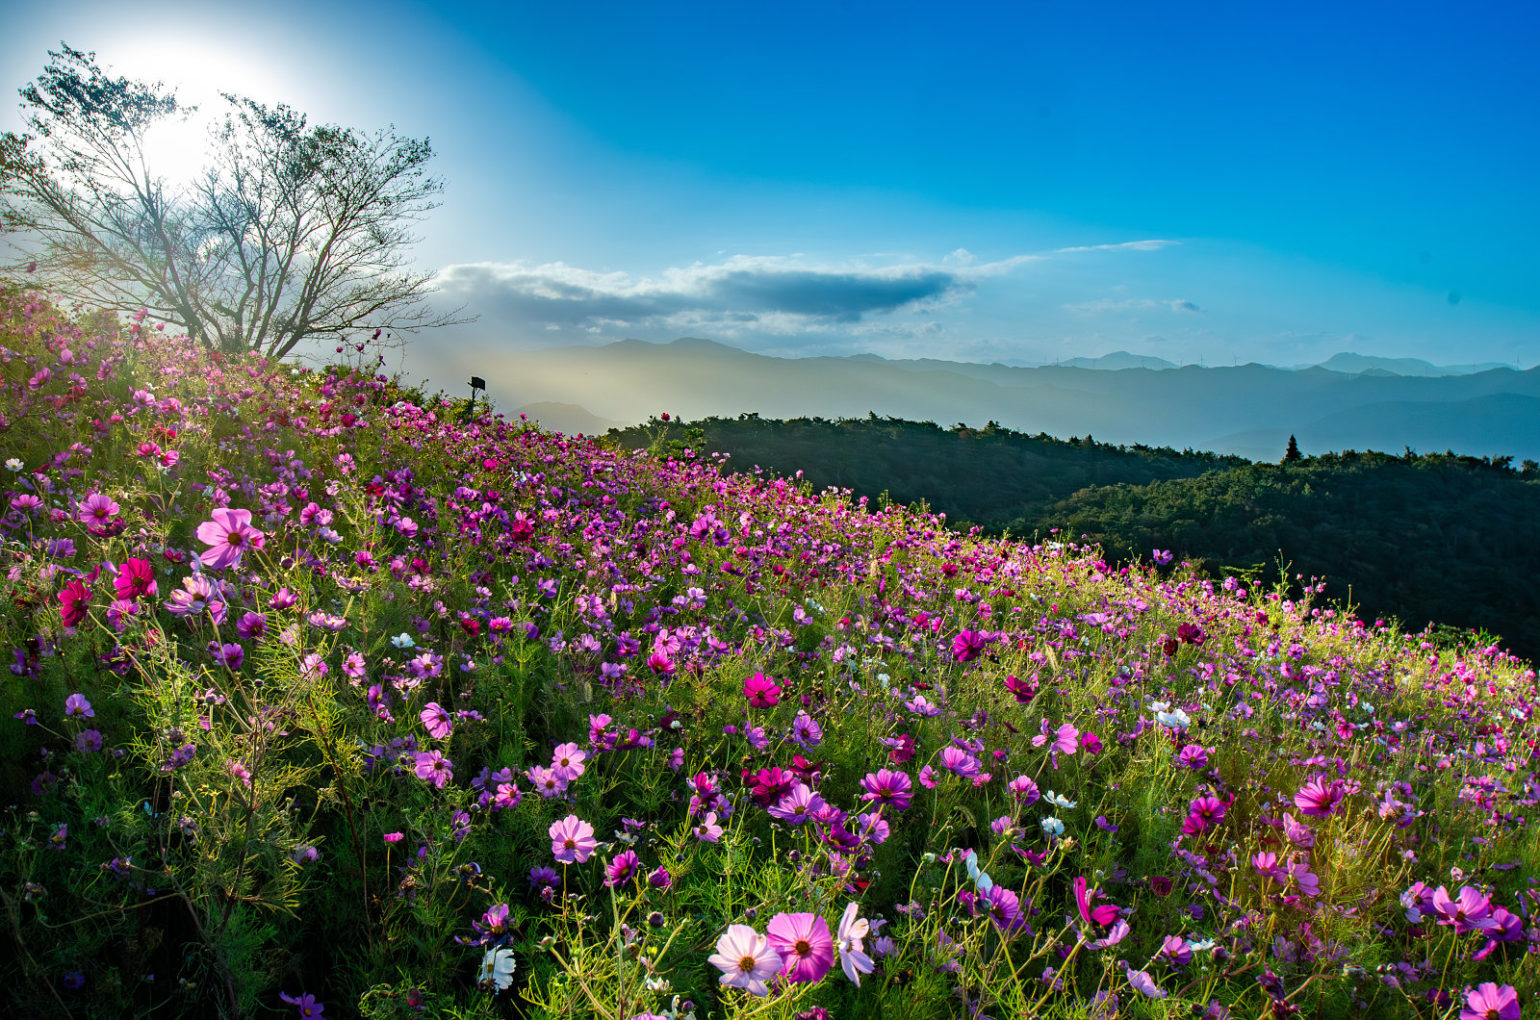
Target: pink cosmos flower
(746, 960)
(567, 762)
(1468, 912)
(805, 946)
(433, 767)
(621, 868)
(1102, 915)
(572, 840)
(708, 830)
(437, 720)
(888, 787)
(231, 534)
(136, 579)
(796, 806)
(762, 691)
(1487, 1001)
(1145, 985)
(1066, 739)
(74, 601)
(98, 510)
(1318, 797)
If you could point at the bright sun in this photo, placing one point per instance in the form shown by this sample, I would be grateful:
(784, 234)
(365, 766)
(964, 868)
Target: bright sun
(177, 149)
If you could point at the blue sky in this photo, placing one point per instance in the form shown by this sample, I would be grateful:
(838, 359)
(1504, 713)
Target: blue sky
(1017, 182)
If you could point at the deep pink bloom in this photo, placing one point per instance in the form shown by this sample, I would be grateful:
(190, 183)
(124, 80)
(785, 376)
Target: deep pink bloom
(1102, 915)
(231, 534)
(762, 691)
(1319, 797)
(1487, 1001)
(621, 868)
(1066, 739)
(74, 601)
(1202, 814)
(746, 960)
(804, 944)
(136, 578)
(572, 840)
(969, 645)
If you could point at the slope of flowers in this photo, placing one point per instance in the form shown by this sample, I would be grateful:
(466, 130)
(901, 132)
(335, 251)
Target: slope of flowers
(324, 702)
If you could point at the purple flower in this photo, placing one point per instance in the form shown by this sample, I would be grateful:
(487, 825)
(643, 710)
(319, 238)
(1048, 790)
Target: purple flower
(1145, 985)
(805, 731)
(76, 706)
(796, 806)
(433, 767)
(888, 787)
(89, 741)
(308, 1006)
(969, 645)
(1468, 912)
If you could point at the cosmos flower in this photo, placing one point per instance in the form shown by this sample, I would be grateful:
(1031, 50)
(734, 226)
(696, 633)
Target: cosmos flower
(496, 969)
(804, 944)
(746, 960)
(230, 534)
(850, 945)
(572, 840)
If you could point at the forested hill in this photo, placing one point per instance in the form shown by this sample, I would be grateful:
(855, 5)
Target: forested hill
(985, 476)
(1423, 538)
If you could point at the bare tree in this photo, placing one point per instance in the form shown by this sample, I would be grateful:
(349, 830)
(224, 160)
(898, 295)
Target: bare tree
(292, 232)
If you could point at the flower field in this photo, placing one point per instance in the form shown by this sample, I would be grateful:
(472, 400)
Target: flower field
(324, 702)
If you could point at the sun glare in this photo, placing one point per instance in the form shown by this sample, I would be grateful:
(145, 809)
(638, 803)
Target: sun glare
(198, 72)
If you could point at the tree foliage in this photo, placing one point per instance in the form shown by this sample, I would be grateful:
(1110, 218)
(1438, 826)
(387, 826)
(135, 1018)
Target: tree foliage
(292, 231)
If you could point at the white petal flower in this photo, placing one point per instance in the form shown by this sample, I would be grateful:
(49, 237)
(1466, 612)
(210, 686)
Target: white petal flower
(496, 968)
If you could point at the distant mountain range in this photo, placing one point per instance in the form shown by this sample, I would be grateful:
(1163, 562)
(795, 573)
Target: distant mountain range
(1348, 362)
(1349, 402)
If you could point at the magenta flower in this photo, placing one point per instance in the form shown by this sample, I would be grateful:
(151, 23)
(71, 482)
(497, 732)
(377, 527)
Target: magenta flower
(98, 510)
(1004, 908)
(136, 579)
(888, 787)
(572, 840)
(960, 763)
(621, 868)
(1176, 950)
(1468, 912)
(805, 946)
(746, 960)
(969, 645)
(433, 767)
(231, 534)
(1489, 1002)
(1102, 915)
(762, 691)
(1318, 797)
(74, 601)
(437, 719)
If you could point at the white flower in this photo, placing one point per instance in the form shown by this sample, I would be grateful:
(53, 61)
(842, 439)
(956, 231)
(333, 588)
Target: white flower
(1061, 800)
(1176, 719)
(403, 640)
(496, 968)
(13, 464)
(1052, 826)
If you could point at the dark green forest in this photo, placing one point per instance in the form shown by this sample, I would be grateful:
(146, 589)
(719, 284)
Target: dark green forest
(1422, 539)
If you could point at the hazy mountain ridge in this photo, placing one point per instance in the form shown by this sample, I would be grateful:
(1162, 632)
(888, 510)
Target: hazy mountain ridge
(1224, 409)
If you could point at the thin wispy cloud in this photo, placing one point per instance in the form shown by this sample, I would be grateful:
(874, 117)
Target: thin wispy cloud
(1149, 245)
(1112, 306)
